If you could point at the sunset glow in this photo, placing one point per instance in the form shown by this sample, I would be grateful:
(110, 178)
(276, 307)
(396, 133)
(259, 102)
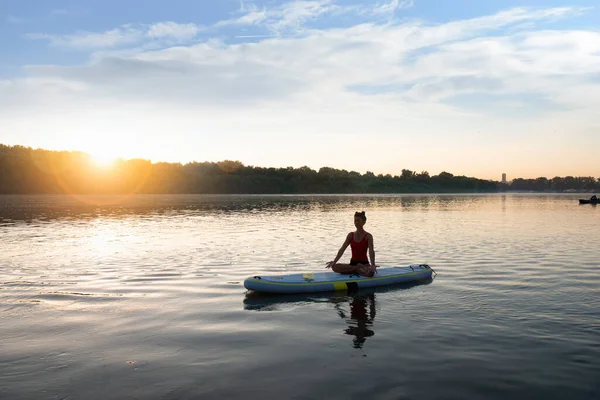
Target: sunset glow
(103, 159)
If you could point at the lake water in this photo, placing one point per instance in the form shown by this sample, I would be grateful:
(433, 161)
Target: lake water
(143, 298)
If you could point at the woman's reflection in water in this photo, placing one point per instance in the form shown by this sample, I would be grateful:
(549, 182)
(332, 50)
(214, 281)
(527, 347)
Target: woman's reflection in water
(362, 314)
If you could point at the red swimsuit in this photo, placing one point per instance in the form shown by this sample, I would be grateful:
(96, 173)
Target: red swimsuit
(359, 250)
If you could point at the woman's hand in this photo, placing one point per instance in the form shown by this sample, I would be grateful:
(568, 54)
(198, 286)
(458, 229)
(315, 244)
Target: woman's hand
(330, 264)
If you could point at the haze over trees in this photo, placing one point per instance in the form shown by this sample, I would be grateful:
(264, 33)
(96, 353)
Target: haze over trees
(24, 170)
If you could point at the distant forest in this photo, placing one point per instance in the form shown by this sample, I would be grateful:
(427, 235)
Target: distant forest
(24, 170)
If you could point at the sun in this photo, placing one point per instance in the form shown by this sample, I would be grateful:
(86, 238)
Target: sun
(103, 159)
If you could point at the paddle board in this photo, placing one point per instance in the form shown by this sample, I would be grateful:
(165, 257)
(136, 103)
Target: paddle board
(332, 281)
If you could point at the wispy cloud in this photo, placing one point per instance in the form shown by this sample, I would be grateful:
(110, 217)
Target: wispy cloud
(251, 15)
(296, 13)
(292, 16)
(390, 7)
(254, 36)
(124, 35)
(286, 16)
(170, 32)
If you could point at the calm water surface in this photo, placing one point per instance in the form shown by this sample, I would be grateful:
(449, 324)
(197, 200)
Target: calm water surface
(143, 298)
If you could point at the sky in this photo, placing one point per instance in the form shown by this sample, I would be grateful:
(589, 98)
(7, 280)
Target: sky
(470, 87)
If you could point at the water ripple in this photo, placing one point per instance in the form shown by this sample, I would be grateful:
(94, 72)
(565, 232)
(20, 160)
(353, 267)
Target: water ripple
(145, 299)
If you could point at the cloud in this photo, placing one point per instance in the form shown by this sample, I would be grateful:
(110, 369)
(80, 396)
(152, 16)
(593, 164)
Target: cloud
(251, 18)
(168, 32)
(287, 16)
(172, 30)
(251, 15)
(292, 16)
(171, 77)
(296, 13)
(427, 63)
(89, 40)
(391, 7)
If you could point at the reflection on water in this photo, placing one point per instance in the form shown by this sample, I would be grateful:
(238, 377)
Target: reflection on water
(356, 309)
(360, 320)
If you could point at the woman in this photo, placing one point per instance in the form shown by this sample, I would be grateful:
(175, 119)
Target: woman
(359, 242)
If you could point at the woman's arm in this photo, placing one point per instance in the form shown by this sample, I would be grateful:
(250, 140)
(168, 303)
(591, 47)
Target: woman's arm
(340, 251)
(371, 249)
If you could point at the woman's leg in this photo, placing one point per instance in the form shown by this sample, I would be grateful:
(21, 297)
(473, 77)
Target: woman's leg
(365, 270)
(360, 269)
(345, 268)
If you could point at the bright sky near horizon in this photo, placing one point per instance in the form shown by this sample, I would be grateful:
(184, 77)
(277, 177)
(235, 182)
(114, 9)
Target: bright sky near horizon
(471, 87)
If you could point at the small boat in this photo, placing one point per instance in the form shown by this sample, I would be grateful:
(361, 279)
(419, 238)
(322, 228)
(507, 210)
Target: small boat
(589, 201)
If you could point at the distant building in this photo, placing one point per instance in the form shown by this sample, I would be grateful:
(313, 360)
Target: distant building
(503, 178)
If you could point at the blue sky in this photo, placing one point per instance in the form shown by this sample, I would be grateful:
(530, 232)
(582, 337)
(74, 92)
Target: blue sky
(470, 87)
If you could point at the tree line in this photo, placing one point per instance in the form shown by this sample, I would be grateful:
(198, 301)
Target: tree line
(557, 184)
(24, 170)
